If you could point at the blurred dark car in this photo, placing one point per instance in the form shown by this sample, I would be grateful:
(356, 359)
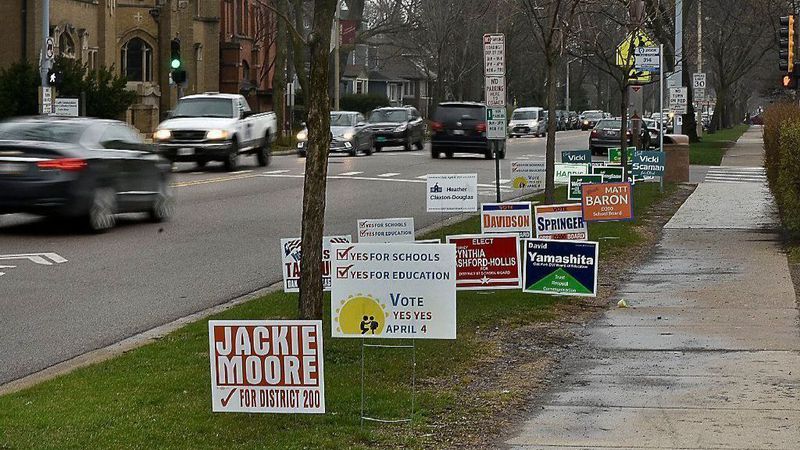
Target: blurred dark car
(89, 169)
(460, 127)
(573, 122)
(590, 119)
(397, 126)
(605, 135)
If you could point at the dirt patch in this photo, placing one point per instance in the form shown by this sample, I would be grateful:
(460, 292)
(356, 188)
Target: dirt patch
(501, 390)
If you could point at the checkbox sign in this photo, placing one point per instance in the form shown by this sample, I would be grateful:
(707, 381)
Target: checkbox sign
(341, 272)
(227, 399)
(343, 253)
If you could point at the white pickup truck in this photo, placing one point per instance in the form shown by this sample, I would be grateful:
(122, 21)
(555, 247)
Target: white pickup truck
(215, 127)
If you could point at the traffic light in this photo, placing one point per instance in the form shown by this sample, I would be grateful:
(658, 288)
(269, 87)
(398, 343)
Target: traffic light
(178, 73)
(787, 44)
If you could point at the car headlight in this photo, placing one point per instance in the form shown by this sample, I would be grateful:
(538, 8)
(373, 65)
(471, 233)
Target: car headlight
(302, 135)
(348, 135)
(217, 135)
(162, 135)
(400, 128)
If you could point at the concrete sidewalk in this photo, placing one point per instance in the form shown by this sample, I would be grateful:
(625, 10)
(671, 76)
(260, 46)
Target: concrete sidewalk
(709, 354)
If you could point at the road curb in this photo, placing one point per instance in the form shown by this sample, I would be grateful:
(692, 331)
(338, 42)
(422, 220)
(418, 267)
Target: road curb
(154, 334)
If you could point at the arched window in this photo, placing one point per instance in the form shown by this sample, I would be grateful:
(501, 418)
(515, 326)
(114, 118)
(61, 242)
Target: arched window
(136, 60)
(66, 45)
(245, 71)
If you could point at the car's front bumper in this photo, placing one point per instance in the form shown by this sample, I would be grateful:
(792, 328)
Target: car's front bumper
(337, 146)
(390, 138)
(193, 151)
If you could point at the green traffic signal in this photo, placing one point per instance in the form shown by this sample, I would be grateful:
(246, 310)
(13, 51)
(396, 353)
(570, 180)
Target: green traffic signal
(176, 63)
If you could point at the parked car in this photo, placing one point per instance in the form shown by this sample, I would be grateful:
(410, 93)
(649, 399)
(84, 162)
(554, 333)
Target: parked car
(528, 121)
(605, 135)
(349, 134)
(89, 169)
(216, 127)
(590, 119)
(460, 127)
(397, 126)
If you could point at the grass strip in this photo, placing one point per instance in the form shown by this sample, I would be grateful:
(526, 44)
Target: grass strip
(158, 396)
(712, 147)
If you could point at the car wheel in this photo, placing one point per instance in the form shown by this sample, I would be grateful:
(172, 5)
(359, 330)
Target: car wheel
(201, 163)
(434, 153)
(163, 206)
(420, 144)
(353, 151)
(101, 213)
(407, 145)
(264, 153)
(378, 148)
(232, 159)
(488, 154)
(448, 154)
(368, 150)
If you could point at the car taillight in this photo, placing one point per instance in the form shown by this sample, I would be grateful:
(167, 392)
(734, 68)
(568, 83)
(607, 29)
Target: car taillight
(594, 133)
(437, 126)
(480, 127)
(65, 164)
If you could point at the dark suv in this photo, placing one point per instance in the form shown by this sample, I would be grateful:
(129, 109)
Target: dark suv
(460, 127)
(397, 126)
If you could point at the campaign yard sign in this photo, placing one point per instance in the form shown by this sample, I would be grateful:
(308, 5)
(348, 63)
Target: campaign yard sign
(575, 183)
(266, 366)
(513, 217)
(452, 192)
(647, 164)
(563, 171)
(615, 155)
(404, 290)
(576, 156)
(291, 254)
(386, 230)
(607, 202)
(560, 267)
(611, 174)
(488, 261)
(527, 175)
(561, 222)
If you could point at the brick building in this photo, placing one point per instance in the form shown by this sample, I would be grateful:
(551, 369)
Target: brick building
(133, 36)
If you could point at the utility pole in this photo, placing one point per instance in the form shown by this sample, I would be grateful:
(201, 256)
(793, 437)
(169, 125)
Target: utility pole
(678, 56)
(45, 63)
(336, 69)
(699, 112)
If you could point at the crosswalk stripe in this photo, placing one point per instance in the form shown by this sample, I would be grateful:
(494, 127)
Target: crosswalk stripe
(275, 172)
(347, 174)
(734, 174)
(388, 175)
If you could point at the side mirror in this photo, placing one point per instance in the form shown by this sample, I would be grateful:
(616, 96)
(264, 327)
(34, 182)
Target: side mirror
(361, 124)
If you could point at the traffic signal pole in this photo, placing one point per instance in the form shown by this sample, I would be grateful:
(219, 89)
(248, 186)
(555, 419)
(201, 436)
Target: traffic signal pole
(44, 61)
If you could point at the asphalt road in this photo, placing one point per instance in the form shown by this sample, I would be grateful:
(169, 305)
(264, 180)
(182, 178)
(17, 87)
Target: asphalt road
(222, 243)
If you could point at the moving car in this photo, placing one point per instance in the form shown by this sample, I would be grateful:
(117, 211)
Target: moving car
(460, 127)
(590, 119)
(89, 169)
(397, 126)
(666, 119)
(528, 121)
(605, 135)
(216, 127)
(349, 134)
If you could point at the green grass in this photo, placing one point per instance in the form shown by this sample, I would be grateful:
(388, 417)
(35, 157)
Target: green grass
(712, 147)
(158, 396)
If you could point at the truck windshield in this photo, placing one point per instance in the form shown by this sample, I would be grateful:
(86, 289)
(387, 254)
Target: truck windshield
(204, 107)
(525, 115)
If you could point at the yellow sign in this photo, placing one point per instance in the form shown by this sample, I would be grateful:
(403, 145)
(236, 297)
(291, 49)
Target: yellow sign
(626, 58)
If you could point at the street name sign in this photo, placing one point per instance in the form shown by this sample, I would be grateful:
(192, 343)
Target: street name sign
(494, 54)
(488, 261)
(574, 191)
(564, 222)
(560, 267)
(527, 174)
(291, 255)
(401, 291)
(266, 366)
(512, 217)
(606, 202)
(452, 192)
(386, 230)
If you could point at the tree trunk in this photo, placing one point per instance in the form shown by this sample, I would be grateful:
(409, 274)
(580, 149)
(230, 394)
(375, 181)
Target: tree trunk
(689, 120)
(623, 128)
(550, 153)
(319, 138)
(279, 78)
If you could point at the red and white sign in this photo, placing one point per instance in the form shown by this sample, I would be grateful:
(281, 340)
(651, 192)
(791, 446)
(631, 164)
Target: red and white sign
(563, 222)
(487, 261)
(266, 366)
(494, 54)
(512, 217)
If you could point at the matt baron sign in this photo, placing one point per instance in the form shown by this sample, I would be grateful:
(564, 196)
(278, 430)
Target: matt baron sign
(452, 193)
(291, 254)
(386, 230)
(560, 267)
(507, 218)
(394, 291)
(487, 261)
(266, 366)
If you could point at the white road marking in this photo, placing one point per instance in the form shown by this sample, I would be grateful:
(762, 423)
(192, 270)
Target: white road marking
(45, 259)
(277, 171)
(422, 177)
(240, 172)
(347, 174)
(388, 175)
(5, 267)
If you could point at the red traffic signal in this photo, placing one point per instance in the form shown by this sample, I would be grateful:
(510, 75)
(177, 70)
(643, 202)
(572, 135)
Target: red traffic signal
(789, 81)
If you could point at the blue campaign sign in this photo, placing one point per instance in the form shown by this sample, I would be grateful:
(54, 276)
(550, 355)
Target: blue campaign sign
(576, 156)
(560, 267)
(648, 164)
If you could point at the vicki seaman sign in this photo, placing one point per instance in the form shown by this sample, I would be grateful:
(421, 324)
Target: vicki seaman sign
(488, 261)
(393, 291)
(560, 267)
(506, 218)
(291, 254)
(266, 366)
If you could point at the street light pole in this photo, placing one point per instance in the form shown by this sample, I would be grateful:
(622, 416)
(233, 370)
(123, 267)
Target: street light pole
(678, 55)
(337, 77)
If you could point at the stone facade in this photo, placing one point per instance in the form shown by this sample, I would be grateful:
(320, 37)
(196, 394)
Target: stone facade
(133, 36)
